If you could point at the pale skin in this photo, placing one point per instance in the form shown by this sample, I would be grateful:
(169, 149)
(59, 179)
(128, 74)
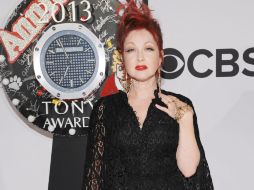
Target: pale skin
(140, 48)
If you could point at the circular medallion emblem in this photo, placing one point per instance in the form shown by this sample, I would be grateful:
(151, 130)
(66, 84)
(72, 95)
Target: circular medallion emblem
(55, 58)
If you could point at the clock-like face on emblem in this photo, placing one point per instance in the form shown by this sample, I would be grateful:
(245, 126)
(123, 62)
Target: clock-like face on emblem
(69, 61)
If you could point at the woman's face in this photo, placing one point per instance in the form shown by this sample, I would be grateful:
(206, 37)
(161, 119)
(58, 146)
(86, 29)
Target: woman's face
(141, 55)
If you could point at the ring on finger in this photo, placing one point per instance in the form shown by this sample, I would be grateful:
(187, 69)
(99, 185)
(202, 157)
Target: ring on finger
(172, 100)
(169, 101)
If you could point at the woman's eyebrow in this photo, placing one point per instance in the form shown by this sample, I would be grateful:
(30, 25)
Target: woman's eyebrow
(129, 43)
(149, 42)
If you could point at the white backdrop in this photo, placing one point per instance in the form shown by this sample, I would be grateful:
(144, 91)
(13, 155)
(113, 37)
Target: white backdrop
(224, 105)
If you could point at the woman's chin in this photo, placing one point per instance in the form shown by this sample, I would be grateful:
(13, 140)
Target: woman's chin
(143, 78)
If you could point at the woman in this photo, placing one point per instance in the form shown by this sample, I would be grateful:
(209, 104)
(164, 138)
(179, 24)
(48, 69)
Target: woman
(144, 138)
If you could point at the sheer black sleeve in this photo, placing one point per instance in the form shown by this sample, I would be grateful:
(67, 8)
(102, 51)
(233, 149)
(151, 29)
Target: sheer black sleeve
(94, 164)
(202, 179)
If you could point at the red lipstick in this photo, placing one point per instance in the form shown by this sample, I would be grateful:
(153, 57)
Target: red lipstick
(141, 67)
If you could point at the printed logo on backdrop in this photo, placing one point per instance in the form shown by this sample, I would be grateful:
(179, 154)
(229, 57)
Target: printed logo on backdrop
(57, 57)
(228, 63)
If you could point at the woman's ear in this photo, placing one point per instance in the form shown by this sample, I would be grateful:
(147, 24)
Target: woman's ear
(120, 54)
(121, 57)
(162, 56)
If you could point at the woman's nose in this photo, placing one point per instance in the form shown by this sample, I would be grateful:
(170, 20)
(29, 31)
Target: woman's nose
(140, 56)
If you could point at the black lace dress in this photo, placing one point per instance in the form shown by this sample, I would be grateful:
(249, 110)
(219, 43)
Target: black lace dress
(122, 156)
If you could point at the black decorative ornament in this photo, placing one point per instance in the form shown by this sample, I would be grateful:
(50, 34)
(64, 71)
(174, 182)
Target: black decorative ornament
(55, 56)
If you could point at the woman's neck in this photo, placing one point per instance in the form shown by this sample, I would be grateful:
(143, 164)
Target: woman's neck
(143, 89)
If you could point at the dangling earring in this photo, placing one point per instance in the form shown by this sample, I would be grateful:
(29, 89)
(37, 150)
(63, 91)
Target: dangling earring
(128, 81)
(159, 78)
(125, 81)
(130, 84)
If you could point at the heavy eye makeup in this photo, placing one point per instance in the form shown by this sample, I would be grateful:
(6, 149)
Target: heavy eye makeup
(150, 48)
(128, 50)
(147, 47)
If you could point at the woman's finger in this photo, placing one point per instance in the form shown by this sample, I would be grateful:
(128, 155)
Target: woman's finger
(162, 108)
(167, 100)
(164, 99)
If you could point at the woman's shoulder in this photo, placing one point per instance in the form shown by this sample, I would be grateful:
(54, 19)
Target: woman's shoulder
(114, 97)
(109, 100)
(118, 98)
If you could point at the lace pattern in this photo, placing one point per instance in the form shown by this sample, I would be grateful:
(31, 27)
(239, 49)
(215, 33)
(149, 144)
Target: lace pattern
(95, 149)
(120, 156)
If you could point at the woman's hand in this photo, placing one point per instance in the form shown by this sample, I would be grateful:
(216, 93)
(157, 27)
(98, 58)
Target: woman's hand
(188, 154)
(176, 108)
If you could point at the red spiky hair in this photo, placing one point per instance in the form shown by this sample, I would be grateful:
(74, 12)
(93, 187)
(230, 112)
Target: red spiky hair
(137, 17)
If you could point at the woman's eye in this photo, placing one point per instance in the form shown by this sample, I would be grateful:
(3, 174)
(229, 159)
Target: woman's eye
(129, 50)
(150, 49)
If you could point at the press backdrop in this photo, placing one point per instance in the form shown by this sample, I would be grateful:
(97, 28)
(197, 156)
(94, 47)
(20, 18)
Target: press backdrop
(224, 104)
